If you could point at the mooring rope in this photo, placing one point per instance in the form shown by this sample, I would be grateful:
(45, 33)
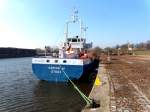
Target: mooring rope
(87, 99)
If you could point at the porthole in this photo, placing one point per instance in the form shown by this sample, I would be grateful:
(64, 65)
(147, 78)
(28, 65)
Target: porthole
(47, 61)
(56, 61)
(64, 61)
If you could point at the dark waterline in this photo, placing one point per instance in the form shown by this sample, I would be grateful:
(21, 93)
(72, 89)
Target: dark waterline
(21, 91)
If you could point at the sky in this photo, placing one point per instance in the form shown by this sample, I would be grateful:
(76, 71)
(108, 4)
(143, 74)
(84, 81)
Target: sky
(36, 23)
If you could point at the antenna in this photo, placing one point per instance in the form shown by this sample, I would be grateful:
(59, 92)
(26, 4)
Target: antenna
(84, 29)
(75, 15)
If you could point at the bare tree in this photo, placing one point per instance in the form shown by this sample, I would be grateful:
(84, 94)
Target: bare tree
(148, 44)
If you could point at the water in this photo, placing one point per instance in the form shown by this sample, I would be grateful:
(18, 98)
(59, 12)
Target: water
(21, 91)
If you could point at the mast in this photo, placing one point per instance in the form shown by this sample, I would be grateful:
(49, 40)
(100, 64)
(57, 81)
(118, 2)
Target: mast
(73, 20)
(82, 33)
(81, 29)
(66, 33)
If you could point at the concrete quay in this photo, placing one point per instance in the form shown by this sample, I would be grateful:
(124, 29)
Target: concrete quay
(100, 92)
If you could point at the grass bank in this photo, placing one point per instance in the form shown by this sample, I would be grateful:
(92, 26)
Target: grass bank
(144, 52)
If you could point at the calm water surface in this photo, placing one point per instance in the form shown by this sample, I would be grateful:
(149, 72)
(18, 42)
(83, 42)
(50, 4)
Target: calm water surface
(21, 91)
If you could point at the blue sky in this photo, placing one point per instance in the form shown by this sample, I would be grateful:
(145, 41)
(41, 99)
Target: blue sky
(36, 23)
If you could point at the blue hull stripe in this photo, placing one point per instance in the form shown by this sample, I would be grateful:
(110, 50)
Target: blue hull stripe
(51, 72)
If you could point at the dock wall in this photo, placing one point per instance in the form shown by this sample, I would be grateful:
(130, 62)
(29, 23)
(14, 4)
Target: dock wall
(16, 52)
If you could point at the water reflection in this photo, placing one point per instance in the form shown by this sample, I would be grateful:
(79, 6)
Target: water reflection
(57, 97)
(21, 91)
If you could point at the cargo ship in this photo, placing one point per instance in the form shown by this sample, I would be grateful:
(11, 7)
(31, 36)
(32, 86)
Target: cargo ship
(73, 61)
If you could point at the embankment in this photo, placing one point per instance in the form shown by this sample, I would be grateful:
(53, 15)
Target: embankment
(16, 52)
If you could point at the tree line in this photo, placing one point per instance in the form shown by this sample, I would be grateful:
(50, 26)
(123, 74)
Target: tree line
(123, 47)
(137, 46)
(126, 48)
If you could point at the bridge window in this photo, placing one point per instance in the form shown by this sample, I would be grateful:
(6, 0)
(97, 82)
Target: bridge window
(74, 40)
(69, 40)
